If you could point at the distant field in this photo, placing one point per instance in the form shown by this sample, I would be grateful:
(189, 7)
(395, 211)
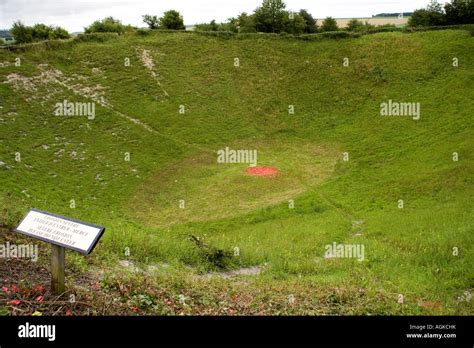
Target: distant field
(342, 22)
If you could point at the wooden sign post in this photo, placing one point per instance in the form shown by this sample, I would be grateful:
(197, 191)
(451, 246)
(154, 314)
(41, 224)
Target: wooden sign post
(63, 233)
(58, 265)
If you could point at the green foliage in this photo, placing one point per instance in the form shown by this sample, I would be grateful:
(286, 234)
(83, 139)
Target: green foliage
(142, 32)
(11, 211)
(354, 25)
(310, 23)
(22, 33)
(459, 12)
(172, 20)
(270, 16)
(329, 24)
(60, 33)
(293, 23)
(107, 25)
(455, 12)
(153, 22)
(218, 258)
(246, 23)
(211, 26)
(431, 16)
(39, 32)
(96, 37)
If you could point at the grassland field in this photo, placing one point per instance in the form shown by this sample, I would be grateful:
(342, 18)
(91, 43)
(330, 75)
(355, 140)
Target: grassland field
(410, 266)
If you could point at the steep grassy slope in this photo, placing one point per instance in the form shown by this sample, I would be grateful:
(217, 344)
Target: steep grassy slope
(408, 251)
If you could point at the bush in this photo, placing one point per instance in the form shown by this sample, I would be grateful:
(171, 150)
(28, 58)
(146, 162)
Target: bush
(142, 32)
(22, 33)
(172, 20)
(329, 24)
(107, 25)
(12, 211)
(246, 23)
(293, 23)
(95, 37)
(39, 32)
(354, 25)
(338, 34)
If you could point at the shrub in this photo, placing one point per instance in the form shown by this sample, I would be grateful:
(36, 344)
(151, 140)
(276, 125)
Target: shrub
(11, 212)
(22, 33)
(106, 25)
(39, 32)
(142, 32)
(354, 25)
(96, 37)
(329, 24)
(60, 33)
(293, 23)
(246, 23)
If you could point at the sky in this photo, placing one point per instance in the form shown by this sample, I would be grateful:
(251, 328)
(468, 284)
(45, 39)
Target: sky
(74, 15)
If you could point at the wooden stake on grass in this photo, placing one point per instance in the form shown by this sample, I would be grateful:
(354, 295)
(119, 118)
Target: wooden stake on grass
(57, 269)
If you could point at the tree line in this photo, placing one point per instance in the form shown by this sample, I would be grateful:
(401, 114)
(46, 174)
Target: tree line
(270, 17)
(455, 12)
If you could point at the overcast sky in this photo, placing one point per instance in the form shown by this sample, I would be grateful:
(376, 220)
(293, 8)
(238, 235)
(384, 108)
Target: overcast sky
(75, 14)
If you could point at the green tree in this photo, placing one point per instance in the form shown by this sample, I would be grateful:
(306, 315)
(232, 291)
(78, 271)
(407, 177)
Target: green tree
(431, 16)
(293, 23)
(246, 23)
(152, 21)
(310, 23)
(459, 12)
(270, 16)
(329, 24)
(42, 32)
(21, 32)
(172, 20)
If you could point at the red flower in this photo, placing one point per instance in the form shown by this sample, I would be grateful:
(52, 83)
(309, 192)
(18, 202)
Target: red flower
(135, 309)
(39, 288)
(4, 289)
(14, 302)
(68, 312)
(39, 299)
(14, 288)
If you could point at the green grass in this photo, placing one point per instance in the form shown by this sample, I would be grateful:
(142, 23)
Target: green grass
(408, 251)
